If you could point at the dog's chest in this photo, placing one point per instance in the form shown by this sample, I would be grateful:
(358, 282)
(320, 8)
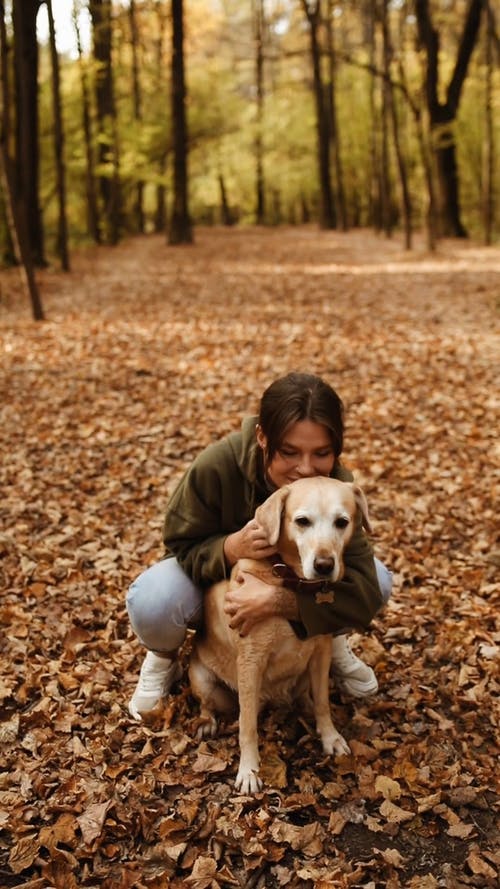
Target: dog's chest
(289, 658)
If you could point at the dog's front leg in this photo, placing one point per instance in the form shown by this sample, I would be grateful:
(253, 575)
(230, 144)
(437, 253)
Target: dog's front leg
(249, 681)
(319, 667)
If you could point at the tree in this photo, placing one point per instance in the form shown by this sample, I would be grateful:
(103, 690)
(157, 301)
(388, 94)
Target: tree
(93, 223)
(109, 178)
(489, 140)
(180, 231)
(341, 209)
(160, 220)
(15, 209)
(62, 231)
(442, 114)
(259, 24)
(136, 92)
(312, 9)
(391, 99)
(26, 175)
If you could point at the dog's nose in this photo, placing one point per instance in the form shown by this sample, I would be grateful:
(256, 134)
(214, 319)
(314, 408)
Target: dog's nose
(324, 565)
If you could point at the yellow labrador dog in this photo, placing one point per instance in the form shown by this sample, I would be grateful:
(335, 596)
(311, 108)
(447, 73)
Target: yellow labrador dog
(310, 521)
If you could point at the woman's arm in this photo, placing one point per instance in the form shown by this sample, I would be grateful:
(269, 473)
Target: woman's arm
(209, 522)
(253, 601)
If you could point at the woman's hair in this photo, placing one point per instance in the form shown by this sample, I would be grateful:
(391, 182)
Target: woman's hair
(296, 397)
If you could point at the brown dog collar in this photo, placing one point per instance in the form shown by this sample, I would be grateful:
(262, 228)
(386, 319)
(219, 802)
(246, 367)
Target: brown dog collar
(300, 584)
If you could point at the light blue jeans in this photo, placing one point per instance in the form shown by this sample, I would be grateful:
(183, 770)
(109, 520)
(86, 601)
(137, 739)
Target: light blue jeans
(163, 602)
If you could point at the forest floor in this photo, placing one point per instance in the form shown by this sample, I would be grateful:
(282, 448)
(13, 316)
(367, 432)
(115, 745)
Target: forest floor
(149, 353)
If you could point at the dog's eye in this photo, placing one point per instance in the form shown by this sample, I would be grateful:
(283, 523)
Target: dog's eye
(341, 522)
(303, 521)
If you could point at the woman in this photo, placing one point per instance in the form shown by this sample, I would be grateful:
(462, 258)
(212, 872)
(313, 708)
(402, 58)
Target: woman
(209, 525)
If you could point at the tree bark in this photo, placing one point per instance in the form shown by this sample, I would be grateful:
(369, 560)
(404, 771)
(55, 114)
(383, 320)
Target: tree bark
(375, 186)
(93, 223)
(339, 195)
(9, 256)
(62, 225)
(180, 231)
(14, 210)
(258, 20)
(442, 114)
(312, 9)
(391, 100)
(160, 218)
(385, 173)
(489, 136)
(26, 181)
(136, 89)
(109, 183)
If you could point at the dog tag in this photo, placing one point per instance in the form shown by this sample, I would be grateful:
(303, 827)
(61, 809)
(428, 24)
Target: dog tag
(325, 598)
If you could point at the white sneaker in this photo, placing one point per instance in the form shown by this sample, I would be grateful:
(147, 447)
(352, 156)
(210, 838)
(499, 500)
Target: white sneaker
(157, 676)
(352, 675)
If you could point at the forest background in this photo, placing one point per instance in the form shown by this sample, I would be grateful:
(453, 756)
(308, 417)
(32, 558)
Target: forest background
(378, 113)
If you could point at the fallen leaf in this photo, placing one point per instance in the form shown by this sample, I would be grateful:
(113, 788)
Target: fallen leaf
(91, 822)
(391, 856)
(394, 813)
(478, 865)
(389, 788)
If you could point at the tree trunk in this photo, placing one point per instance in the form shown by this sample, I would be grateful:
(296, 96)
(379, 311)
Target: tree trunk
(391, 99)
(312, 9)
(62, 227)
(160, 219)
(385, 173)
(489, 137)
(109, 183)
(375, 186)
(226, 215)
(180, 231)
(14, 211)
(24, 13)
(442, 114)
(341, 209)
(258, 19)
(93, 222)
(8, 246)
(136, 89)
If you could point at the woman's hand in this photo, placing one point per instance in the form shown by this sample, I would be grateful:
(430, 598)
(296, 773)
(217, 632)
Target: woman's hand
(253, 600)
(249, 543)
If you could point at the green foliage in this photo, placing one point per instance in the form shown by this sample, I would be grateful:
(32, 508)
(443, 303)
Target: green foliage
(222, 116)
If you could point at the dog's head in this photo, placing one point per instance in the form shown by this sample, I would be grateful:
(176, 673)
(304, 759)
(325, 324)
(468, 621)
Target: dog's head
(311, 522)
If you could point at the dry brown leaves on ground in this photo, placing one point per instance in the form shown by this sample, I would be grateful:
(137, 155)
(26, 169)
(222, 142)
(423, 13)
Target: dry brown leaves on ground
(150, 353)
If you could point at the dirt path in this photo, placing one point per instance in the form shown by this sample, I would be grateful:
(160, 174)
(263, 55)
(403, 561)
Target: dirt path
(148, 354)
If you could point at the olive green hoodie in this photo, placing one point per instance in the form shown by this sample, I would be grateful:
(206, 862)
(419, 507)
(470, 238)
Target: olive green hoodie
(219, 494)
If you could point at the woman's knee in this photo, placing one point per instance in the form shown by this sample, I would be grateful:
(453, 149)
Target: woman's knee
(161, 603)
(384, 577)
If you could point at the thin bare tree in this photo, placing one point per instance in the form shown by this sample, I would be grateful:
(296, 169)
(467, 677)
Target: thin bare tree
(62, 222)
(93, 223)
(14, 208)
(180, 230)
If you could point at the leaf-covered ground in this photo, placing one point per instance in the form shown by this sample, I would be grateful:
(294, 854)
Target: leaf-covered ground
(149, 353)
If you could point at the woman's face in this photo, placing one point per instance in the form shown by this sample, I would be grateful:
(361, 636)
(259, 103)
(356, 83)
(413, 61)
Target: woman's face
(305, 451)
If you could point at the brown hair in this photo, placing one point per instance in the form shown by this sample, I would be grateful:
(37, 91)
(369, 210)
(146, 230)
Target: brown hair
(295, 397)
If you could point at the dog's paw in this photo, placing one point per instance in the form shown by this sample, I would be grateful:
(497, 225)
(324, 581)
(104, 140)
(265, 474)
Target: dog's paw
(248, 781)
(334, 743)
(207, 728)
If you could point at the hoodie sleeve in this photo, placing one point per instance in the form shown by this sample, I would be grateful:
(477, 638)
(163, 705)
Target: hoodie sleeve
(198, 517)
(356, 598)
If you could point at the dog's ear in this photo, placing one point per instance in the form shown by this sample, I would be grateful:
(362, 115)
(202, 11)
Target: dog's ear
(362, 505)
(269, 514)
